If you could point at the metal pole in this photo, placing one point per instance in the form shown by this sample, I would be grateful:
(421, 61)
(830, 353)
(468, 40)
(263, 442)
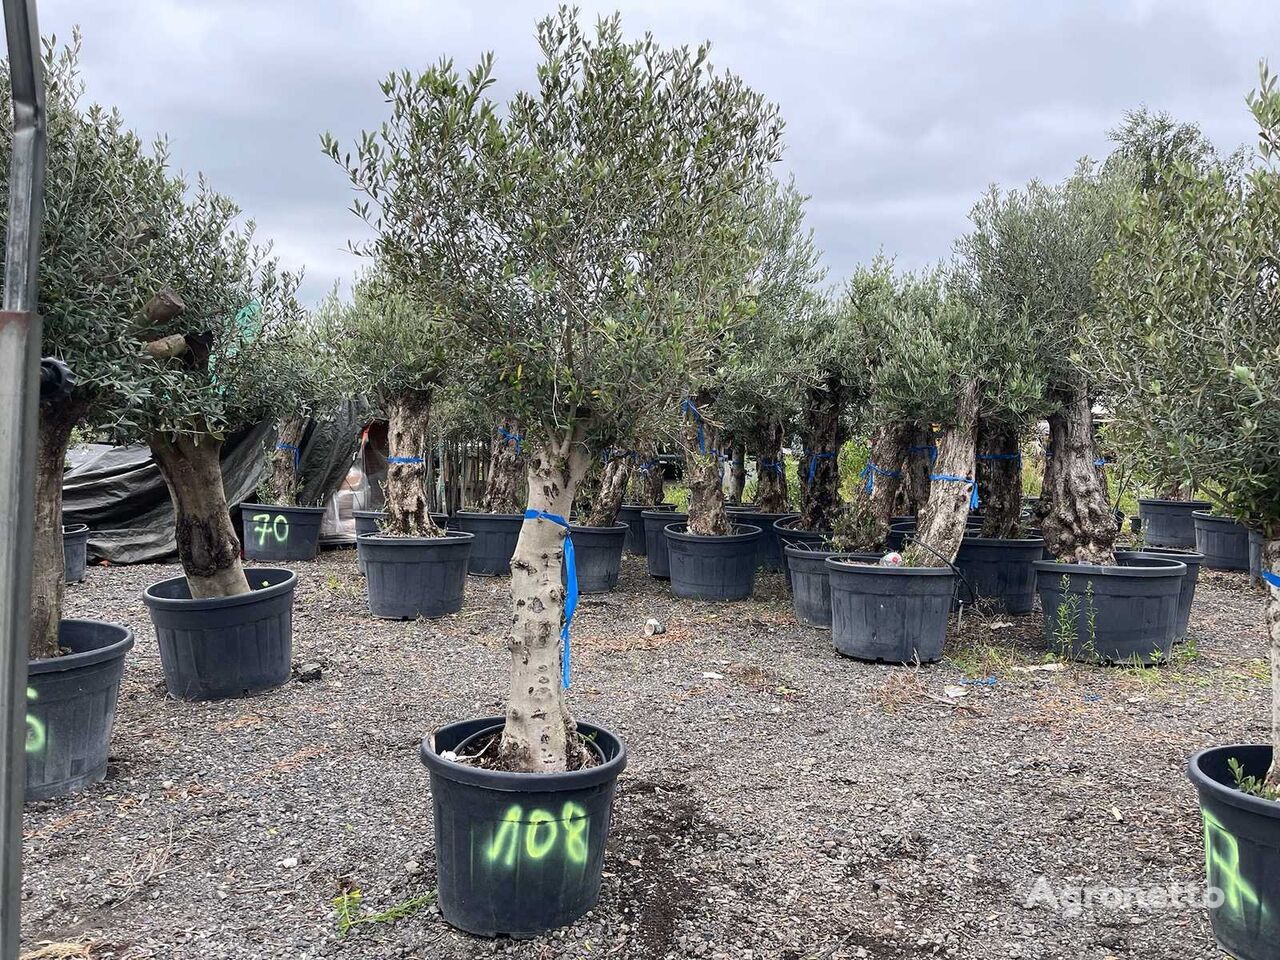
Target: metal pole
(19, 396)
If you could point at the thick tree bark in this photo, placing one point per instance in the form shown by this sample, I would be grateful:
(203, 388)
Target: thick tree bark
(613, 486)
(737, 469)
(647, 484)
(283, 478)
(941, 526)
(866, 525)
(922, 450)
(999, 479)
(48, 573)
(1077, 519)
(538, 735)
(1271, 562)
(207, 543)
(702, 472)
(407, 508)
(506, 458)
(771, 474)
(823, 433)
(1175, 491)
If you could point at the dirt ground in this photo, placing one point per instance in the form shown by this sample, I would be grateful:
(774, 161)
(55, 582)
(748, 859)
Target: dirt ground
(780, 802)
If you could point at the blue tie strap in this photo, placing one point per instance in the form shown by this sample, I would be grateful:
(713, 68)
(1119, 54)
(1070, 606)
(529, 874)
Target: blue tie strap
(404, 460)
(648, 465)
(571, 585)
(774, 466)
(1100, 462)
(1271, 578)
(974, 502)
(871, 471)
(688, 406)
(1000, 456)
(931, 450)
(297, 455)
(813, 463)
(509, 437)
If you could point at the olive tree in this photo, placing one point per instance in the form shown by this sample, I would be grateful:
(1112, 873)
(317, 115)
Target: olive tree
(588, 240)
(1188, 347)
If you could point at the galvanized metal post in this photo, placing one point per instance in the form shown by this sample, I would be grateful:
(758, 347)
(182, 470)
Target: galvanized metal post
(19, 396)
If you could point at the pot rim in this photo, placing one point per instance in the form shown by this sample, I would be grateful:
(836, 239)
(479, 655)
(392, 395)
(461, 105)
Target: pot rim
(509, 782)
(386, 539)
(1173, 568)
(989, 541)
(1224, 792)
(658, 514)
(489, 516)
(783, 524)
(368, 514)
(1167, 553)
(247, 505)
(742, 532)
(852, 566)
(648, 506)
(74, 529)
(87, 658)
(219, 603)
(1182, 503)
(583, 528)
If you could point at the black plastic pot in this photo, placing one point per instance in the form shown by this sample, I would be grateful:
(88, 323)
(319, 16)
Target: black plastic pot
(367, 522)
(1168, 523)
(1001, 570)
(1255, 557)
(518, 854)
(810, 585)
(1223, 541)
(657, 558)
(769, 548)
(224, 646)
(75, 551)
(1188, 592)
(891, 614)
(278, 534)
(71, 707)
(1242, 851)
(901, 529)
(597, 551)
(789, 536)
(411, 577)
(495, 540)
(713, 568)
(630, 514)
(1126, 613)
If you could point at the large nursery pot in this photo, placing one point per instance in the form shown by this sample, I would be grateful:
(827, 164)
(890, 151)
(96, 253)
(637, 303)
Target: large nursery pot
(280, 533)
(1223, 541)
(630, 514)
(1127, 613)
(789, 536)
(518, 854)
(893, 614)
(411, 577)
(1168, 523)
(1188, 592)
(713, 568)
(657, 558)
(768, 548)
(1242, 851)
(496, 535)
(1001, 570)
(810, 585)
(1255, 557)
(367, 521)
(71, 707)
(900, 530)
(75, 551)
(220, 647)
(597, 554)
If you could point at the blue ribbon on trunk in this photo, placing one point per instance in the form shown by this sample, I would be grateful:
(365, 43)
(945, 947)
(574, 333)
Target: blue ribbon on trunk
(404, 460)
(690, 407)
(774, 465)
(297, 455)
(931, 450)
(571, 585)
(1271, 578)
(509, 437)
(813, 463)
(974, 502)
(1000, 456)
(870, 471)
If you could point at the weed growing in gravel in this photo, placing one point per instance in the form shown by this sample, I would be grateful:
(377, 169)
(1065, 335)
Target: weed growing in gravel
(347, 907)
(1254, 786)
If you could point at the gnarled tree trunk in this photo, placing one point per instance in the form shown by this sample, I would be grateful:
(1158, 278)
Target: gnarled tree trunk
(538, 737)
(771, 474)
(867, 528)
(405, 488)
(702, 471)
(207, 543)
(506, 458)
(941, 526)
(823, 433)
(922, 450)
(999, 479)
(647, 483)
(48, 573)
(284, 477)
(613, 486)
(1077, 519)
(737, 469)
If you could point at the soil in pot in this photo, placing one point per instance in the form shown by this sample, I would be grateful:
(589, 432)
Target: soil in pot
(495, 540)
(713, 568)
(811, 587)
(597, 554)
(657, 559)
(1186, 596)
(71, 707)
(220, 647)
(278, 534)
(75, 551)
(1001, 570)
(411, 577)
(1242, 851)
(1125, 614)
(1168, 523)
(518, 854)
(889, 614)
(1223, 541)
(630, 514)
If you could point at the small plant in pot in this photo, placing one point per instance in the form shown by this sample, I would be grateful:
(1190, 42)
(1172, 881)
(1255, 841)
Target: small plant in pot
(1186, 349)
(589, 240)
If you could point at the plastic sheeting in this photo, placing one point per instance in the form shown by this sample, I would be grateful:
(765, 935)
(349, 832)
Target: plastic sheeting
(120, 494)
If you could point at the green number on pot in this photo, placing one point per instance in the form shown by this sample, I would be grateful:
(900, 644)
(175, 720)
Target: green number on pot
(541, 832)
(35, 728)
(506, 836)
(1222, 865)
(264, 524)
(536, 850)
(575, 833)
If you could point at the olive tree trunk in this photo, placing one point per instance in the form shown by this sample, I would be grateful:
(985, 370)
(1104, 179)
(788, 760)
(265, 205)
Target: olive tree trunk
(48, 572)
(737, 470)
(208, 547)
(613, 487)
(1271, 562)
(1077, 519)
(405, 487)
(538, 735)
(823, 433)
(916, 467)
(506, 456)
(703, 475)
(941, 526)
(647, 482)
(283, 477)
(999, 479)
(771, 475)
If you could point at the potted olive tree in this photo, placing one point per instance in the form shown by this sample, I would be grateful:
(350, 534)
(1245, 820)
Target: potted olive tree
(107, 198)
(607, 202)
(1186, 346)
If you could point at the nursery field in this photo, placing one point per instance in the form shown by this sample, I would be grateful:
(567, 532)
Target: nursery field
(780, 801)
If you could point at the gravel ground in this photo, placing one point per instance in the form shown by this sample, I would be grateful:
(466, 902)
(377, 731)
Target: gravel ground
(780, 801)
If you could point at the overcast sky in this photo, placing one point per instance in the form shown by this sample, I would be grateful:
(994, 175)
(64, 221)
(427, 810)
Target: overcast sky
(898, 113)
